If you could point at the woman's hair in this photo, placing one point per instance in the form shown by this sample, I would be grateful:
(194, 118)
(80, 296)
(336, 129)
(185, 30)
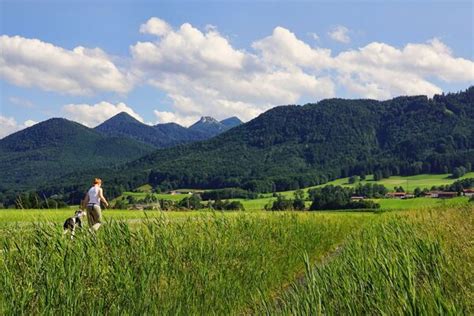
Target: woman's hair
(97, 181)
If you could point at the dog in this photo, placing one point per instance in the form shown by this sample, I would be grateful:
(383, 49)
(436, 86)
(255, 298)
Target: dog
(72, 222)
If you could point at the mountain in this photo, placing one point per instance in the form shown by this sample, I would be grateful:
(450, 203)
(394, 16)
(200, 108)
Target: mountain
(163, 135)
(231, 122)
(55, 147)
(124, 125)
(210, 126)
(294, 146)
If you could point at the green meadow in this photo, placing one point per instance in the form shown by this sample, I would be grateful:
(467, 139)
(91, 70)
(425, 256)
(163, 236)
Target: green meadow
(414, 261)
(410, 256)
(409, 183)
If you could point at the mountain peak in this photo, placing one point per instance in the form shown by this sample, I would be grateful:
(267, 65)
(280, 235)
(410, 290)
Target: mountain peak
(122, 117)
(231, 122)
(208, 120)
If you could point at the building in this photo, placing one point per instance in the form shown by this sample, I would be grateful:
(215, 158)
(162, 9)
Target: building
(447, 195)
(357, 198)
(396, 195)
(468, 192)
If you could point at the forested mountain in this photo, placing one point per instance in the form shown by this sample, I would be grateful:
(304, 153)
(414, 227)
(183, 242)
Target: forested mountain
(211, 127)
(294, 146)
(50, 149)
(164, 135)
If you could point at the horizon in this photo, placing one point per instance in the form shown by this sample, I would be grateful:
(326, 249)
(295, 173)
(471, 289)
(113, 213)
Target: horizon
(176, 62)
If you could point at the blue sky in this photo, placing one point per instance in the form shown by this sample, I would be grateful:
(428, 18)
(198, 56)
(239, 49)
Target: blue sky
(222, 58)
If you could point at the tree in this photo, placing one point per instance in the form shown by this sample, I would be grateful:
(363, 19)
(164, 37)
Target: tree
(282, 204)
(458, 172)
(353, 179)
(417, 192)
(298, 202)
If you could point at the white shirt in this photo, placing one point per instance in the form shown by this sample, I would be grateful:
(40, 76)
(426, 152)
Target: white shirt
(94, 197)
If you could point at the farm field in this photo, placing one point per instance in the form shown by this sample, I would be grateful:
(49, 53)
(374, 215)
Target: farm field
(409, 183)
(241, 262)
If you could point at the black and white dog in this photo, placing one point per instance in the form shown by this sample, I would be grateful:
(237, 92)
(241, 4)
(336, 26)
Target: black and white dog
(71, 223)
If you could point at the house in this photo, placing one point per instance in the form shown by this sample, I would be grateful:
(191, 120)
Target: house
(409, 196)
(447, 195)
(431, 194)
(396, 195)
(468, 192)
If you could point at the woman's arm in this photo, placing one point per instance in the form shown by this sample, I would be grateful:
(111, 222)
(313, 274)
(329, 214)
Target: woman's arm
(101, 196)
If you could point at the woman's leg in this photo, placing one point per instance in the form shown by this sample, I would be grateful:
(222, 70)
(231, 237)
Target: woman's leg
(94, 217)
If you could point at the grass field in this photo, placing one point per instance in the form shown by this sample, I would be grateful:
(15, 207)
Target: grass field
(242, 262)
(207, 263)
(409, 183)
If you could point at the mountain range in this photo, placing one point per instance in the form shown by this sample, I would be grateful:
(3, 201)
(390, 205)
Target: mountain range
(57, 146)
(284, 148)
(165, 135)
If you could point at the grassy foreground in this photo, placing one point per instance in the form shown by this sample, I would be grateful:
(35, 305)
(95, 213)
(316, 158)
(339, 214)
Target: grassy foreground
(410, 262)
(416, 264)
(200, 265)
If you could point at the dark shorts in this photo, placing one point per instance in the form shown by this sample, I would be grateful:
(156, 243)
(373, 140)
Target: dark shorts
(94, 214)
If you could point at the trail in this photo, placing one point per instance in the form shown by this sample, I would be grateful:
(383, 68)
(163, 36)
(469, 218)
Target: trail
(300, 279)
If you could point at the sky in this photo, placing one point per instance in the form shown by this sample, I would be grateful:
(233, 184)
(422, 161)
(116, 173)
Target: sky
(175, 61)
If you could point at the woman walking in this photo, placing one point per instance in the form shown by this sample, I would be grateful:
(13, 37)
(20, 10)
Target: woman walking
(92, 201)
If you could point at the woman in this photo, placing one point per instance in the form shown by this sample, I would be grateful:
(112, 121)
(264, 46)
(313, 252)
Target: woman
(92, 202)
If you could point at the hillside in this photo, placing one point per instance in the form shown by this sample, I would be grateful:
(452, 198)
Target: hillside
(56, 147)
(298, 146)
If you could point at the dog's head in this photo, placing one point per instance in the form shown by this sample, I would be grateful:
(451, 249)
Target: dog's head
(80, 213)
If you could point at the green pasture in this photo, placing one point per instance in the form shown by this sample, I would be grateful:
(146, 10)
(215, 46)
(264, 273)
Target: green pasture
(416, 261)
(409, 183)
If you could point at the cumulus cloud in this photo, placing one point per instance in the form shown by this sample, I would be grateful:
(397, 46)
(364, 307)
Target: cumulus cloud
(93, 115)
(156, 27)
(379, 70)
(203, 74)
(8, 125)
(81, 71)
(340, 34)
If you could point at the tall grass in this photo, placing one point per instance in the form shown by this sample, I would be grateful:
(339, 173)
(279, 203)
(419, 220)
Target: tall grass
(420, 264)
(202, 265)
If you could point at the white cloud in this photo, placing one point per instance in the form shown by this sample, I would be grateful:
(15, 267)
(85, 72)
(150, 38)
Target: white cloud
(93, 115)
(340, 34)
(81, 71)
(8, 125)
(170, 117)
(204, 75)
(156, 27)
(379, 70)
